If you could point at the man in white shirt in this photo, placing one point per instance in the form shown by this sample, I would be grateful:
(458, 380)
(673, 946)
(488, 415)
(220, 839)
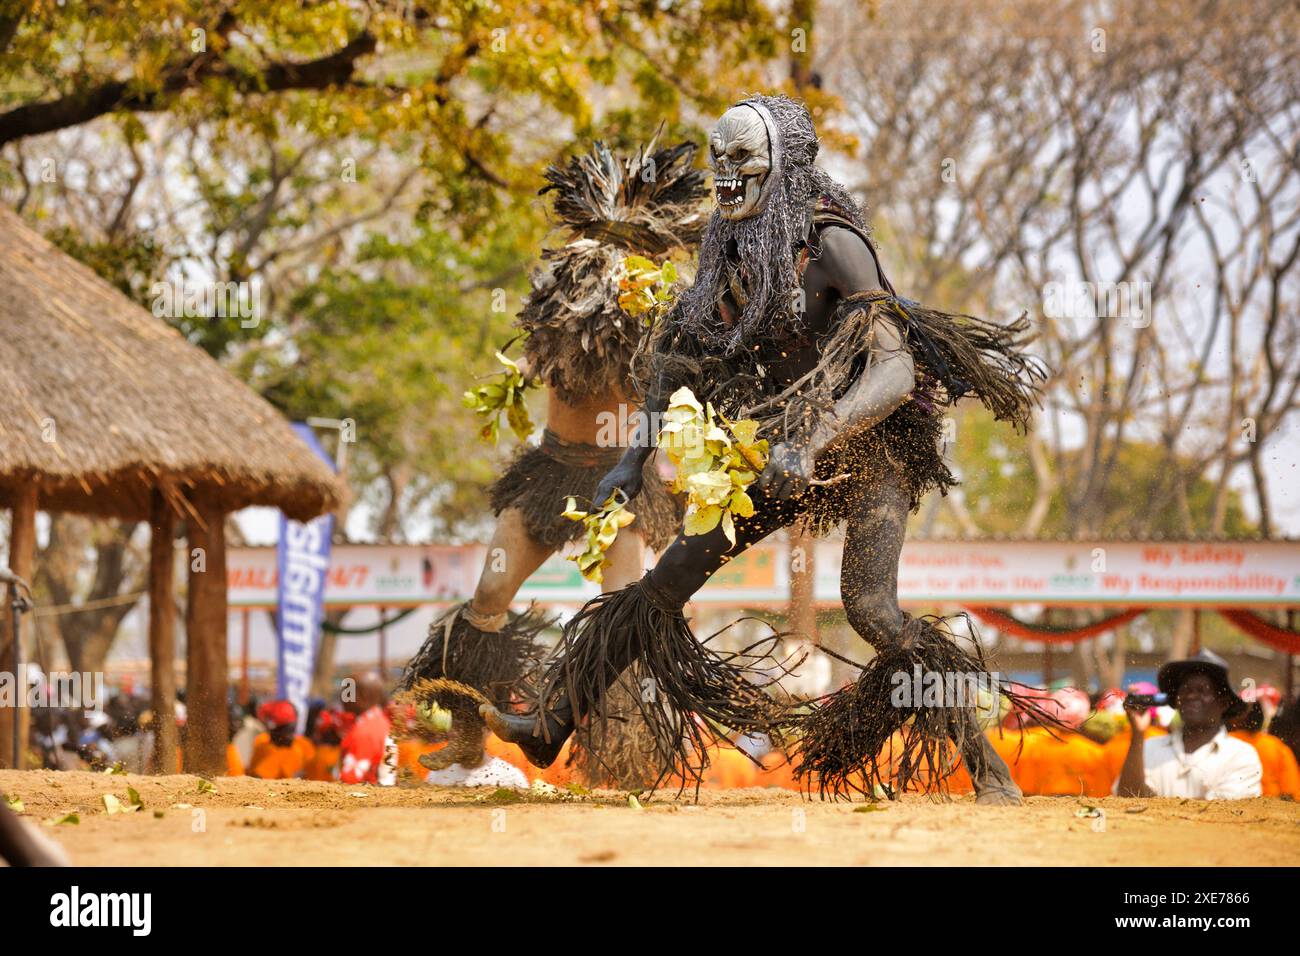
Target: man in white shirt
(1199, 759)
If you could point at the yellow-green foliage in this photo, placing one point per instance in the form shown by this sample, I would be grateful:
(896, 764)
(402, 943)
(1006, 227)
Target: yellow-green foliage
(602, 527)
(716, 460)
(644, 286)
(505, 394)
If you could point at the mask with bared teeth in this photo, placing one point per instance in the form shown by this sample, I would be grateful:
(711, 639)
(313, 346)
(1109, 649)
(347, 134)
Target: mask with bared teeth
(744, 149)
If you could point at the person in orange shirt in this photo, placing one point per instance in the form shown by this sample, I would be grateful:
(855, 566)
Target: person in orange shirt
(1281, 771)
(1068, 764)
(1008, 734)
(331, 726)
(1005, 736)
(234, 762)
(774, 768)
(729, 769)
(954, 779)
(1063, 762)
(281, 752)
(777, 771)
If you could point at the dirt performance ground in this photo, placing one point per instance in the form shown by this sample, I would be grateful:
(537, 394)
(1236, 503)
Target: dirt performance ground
(242, 821)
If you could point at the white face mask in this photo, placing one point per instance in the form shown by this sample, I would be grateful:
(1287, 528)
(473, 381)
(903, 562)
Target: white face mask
(742, 150)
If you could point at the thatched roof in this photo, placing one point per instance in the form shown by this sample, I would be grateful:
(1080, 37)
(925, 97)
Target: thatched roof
(101, 401)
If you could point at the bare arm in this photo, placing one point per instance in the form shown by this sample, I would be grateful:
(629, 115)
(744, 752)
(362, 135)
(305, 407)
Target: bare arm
(887, 379)
(890, 375)
(1132, 776)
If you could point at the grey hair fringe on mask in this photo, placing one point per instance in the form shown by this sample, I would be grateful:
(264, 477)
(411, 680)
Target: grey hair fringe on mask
(766, 242)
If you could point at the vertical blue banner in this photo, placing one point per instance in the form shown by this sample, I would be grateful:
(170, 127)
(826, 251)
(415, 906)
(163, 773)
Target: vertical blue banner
(302, 560)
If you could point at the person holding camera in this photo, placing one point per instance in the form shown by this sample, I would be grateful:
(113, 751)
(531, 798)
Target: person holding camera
(1197, 759)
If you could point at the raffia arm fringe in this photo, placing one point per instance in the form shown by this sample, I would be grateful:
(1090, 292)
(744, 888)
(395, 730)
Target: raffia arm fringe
(960, 352)
(964, 353)
(955, 355)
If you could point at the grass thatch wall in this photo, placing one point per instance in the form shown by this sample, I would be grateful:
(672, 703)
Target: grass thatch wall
(100, 401)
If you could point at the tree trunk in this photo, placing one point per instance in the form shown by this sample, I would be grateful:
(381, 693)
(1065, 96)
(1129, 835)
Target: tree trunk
(1079, 669)
(801, 18)
(91, 638)
(206, 677)
(803, 616)
(1119, 657)
(1182, 636)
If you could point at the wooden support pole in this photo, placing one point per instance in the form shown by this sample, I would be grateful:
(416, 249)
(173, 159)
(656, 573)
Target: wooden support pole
(22, 558)
(162, 631)
(206, 677)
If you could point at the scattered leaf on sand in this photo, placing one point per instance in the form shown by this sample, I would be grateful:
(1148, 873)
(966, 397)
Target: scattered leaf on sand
(503, 795)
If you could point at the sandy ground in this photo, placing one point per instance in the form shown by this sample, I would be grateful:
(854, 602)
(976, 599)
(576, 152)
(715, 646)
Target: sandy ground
(244, 821)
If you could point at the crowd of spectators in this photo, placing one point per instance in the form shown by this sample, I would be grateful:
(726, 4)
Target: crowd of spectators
(1200, 740)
